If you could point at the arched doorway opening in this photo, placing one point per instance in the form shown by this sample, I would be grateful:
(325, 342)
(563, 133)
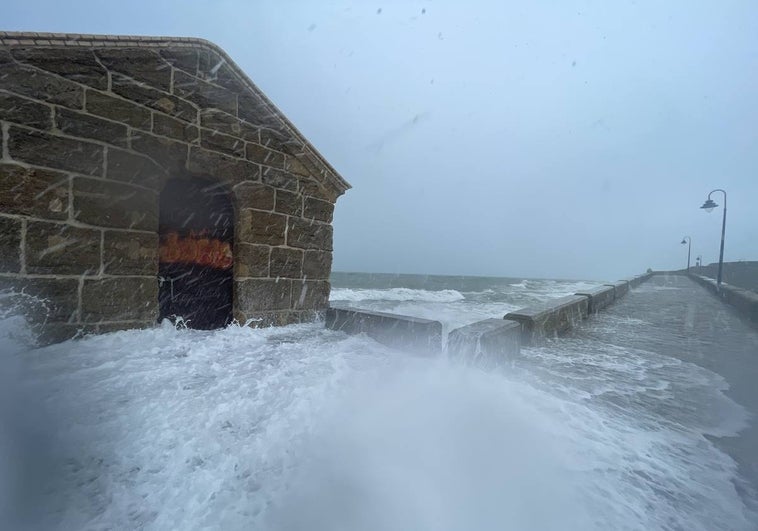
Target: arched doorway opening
(196, 228)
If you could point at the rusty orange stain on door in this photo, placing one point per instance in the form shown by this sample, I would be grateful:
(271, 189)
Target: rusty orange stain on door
(196, 249)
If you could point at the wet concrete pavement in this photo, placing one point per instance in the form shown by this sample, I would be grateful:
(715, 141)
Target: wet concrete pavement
(673, 316)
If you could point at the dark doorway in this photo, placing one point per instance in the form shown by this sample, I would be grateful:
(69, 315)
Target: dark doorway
(196, 230)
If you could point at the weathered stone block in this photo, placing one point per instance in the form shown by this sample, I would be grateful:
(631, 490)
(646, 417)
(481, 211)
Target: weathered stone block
(599, 298)
(307, 160)
(45, 299)
(181, 58)
(56, 332)
(263, 294)
(212, 139)
(286, 262)
(225, 76)
(166, 126)
(317, 264)
(255, 195)
(262, 227)
(33, 192)
(25, 112)
(83, 125)
(41, 86)
(120, 299)
(289, 203)
(223, 122)
(550, 318)
(488, 343)
(112, 204)
(231, 170)
(251, 260)
(253, 110)
(279, 179)
(312, 188)
(59, 249)
(77, 65)
(117, 109)
(293, 165)
(130, 253)
(10, 245)
(153, 98)
(317, 209)
(307, 234)
(42, 149)
(140, 64)
(131, 168)
(209, 62)
(273, 139)
(264, 156)
(169, 154)
(205, 95)
(310, 294)
(410, 334)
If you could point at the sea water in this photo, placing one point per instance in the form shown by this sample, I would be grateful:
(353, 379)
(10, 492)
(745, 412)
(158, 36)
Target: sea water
(304, 428)
(453, 300)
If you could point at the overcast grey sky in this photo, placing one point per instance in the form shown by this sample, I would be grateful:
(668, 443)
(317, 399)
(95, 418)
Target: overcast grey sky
(571, 139)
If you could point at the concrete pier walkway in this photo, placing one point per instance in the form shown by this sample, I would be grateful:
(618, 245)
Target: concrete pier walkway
(672, 316)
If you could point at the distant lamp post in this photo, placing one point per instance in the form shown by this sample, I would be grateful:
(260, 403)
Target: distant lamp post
(687, 239)
(699, 261)
(708, 206)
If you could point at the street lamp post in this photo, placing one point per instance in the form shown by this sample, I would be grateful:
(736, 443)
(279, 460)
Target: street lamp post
(708, 206)
(687, 239)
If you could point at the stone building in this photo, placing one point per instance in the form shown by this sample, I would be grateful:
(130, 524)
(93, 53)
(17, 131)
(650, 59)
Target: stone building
(148, 177)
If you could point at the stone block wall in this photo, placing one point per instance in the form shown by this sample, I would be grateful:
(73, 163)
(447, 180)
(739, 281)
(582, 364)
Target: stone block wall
(91, 129)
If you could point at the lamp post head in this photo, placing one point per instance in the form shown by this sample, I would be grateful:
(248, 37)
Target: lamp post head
(709, 205)
(684, 241)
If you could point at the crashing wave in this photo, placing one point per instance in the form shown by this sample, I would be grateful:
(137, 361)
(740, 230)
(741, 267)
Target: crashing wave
(395, 294)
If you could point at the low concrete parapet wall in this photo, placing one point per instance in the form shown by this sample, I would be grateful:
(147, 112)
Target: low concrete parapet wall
(744, 301)
(557, 316)
(489, 342)
(397, 331)
(599, 298)
(550, 318)
(621, 287)
(707, 283)
(639, 279)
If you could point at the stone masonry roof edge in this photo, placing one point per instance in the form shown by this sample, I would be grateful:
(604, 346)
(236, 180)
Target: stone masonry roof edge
(43, 39)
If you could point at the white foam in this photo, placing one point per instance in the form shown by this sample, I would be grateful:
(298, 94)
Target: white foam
(304, 428)
(395, 294)
(549, 289)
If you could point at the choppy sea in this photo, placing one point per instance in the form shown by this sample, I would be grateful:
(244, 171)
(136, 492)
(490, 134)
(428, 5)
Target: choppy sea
(299, 427)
